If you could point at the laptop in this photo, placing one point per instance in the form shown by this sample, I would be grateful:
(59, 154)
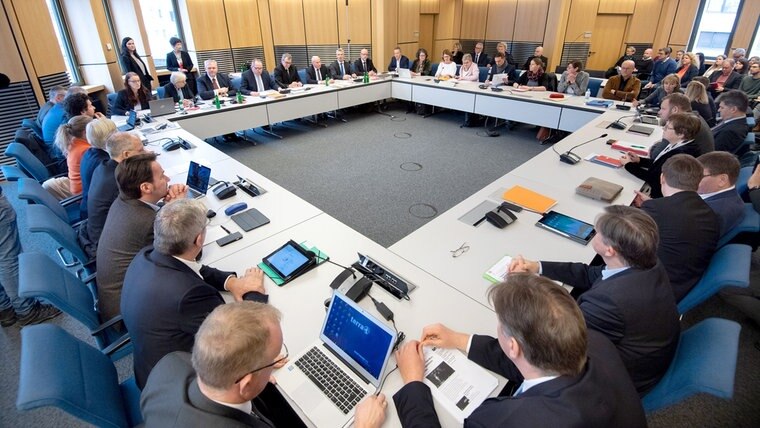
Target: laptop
(198, 177)
(404, 73)
(131, 121)
(353, 350)
(161, 107)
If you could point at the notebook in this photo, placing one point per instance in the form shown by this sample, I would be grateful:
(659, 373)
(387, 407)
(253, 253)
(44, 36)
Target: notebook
(198, 177)
(529, 199)
(353, 348)
(161, 107)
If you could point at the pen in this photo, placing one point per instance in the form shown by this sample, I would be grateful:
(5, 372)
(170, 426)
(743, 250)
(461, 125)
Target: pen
(225, 229)
(638, 147)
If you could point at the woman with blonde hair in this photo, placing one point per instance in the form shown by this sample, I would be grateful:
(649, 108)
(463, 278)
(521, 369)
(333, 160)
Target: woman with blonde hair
(688, 68)
(71, 140)
(669, 85)
(699, 101)
(716, 66)
(457, 54)
(97, 132)
(469, 71)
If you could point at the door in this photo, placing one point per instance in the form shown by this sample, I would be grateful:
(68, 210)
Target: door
(426, 37)
(606, 41)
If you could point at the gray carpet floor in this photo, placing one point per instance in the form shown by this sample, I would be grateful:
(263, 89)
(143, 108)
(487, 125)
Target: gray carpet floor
(353, 172)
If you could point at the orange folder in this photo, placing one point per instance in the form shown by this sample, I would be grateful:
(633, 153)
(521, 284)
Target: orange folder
(529, 199)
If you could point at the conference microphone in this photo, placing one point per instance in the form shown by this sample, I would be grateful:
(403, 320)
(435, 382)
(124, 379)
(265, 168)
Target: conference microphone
(623, 106)
(618, 124)
(571, 158)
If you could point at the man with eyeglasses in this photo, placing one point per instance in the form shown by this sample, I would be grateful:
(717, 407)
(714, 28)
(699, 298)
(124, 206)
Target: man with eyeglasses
(286, 74)
(256, 80)
(226, 380)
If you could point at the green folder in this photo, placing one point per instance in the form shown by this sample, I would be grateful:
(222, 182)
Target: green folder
(321, 257)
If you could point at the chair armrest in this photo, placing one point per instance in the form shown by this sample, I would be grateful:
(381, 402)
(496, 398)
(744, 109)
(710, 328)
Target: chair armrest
(106, 325)
(116, 345)
(71, 200)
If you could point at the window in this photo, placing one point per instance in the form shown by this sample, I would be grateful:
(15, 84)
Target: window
(161, 24)
(64, 40)
(754, 49)
(715, 23)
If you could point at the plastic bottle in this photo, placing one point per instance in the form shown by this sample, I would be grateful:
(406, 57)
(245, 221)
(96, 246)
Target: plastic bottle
(366, 77)
(216, 102)
(240, 98)
(588, 94)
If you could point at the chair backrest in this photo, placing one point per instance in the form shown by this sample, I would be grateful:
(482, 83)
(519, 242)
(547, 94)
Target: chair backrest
(552, 78)
(482, 74)
(729, 266)
(27, 161)
(594, 85)
(433, 68)
(160, 92)
(12, 172)
(41, 220)
(235, 82)
(302, 75)
(750, 223)
(32, 125)
(741, 182)
(60, 370)
(705, 361)
(111, 101)
(33, 192)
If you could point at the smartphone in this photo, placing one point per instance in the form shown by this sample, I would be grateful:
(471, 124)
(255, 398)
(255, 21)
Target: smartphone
(611, 142)
(232, 237)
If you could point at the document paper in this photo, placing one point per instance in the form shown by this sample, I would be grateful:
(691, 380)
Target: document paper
(457, 383)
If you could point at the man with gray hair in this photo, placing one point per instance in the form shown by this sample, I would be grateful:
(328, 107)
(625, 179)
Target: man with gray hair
(286, 74)
(167, 293)
(213, 83)
(317, 73)
(739, 53)
(55, 96)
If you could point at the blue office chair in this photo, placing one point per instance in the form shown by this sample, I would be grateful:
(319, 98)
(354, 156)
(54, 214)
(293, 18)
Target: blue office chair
(62, 371)
(749, 224)
(594, 85)
(751, 122)
(704, 362)
(482, 74)
(729, 267)
(459, 67)
(31, 124)
(42, 278)
(41, 220)
(27, 162)
(302, 75)
(160, 92)
(741, 182)
(235, 83)
(12, 172)
(31, 191)
(111, 101)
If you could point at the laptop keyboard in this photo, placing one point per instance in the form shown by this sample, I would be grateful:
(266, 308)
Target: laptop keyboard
(330, 379)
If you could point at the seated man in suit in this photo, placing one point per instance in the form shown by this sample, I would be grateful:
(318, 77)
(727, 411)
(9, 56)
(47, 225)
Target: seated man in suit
(225, 380)
(363, 64)
(730, 132)
(629, 298)
(624, 86)
(644, 65)
(213, 83)
(689, 228)
(256, 80)
(663, 65)
(167, 293)
(679, 103)
(340, 68)
(178, 89)
(286, 74)
(104, 190)
(537, 53)
(129, 224)
(398, 60)
(726, 80)
(718, 188)
(501, 66)
(317, 73)
(569, 375)
(479, 57)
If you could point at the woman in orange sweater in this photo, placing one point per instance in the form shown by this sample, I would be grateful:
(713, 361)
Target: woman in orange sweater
(71, 139)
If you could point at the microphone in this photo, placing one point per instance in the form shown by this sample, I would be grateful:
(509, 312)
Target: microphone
(623, 106)
(571, 158)
(618, 124)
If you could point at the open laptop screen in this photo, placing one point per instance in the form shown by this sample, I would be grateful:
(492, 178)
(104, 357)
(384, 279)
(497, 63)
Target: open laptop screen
(359, 336)
(198, 177)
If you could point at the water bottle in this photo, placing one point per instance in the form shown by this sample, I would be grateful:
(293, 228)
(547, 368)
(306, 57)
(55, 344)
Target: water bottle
(216, 102)
(240, 98)
(588, 94)
(366, 77)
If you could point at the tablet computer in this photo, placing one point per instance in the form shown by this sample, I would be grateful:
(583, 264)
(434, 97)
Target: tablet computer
(569, 227)
(289, 261)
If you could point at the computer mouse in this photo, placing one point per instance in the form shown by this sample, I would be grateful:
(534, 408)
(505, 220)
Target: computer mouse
(210, 214)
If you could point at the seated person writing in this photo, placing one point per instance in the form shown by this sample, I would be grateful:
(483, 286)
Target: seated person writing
(469, 71)
(535, 79)
(134, 96)
(256, 80)
(501, 66)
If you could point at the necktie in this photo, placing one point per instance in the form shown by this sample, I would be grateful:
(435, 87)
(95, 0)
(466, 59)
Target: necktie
(342, 70)
(319, 75)
(259, 84)
(364, 66)
(216, 85)
(476, 58)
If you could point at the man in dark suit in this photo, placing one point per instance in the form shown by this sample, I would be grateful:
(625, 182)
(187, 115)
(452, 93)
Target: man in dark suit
(179, 60)
(104, 190)
(398, 60)
(178, 89)
(629, 298)
(569, 376)
(726, 80)
(539, 53)
(479, 57)
(167, 293)
(317, 73)
(730, 133)
(286, 74)
(340, 68)
(226, 381)
(129, 224)
(256, 80)
(213, 83)
(363, 64)
(689, 229)
(718, 188)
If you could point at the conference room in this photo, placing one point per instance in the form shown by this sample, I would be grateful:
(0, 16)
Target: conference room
(348, 173)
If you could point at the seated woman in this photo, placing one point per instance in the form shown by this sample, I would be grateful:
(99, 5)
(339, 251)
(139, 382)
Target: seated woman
(469, 71)
(70, 138)
(447, 68)
(456, 53)
(699, 102)
(534, 79)
(679, 132)
(574, 80)
(178, 90)
(689, 68)
(670, 84)
(716, 66)
(421, 64)
(134, 96)
(741, 66)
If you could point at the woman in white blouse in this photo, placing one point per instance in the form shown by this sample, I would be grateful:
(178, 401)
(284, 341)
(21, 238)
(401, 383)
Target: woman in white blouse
(468, 71)
(447, 68)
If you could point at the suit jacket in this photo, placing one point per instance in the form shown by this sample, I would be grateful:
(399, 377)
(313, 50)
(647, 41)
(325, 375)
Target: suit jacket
(634, 309)
(644, 68)
(172, 398)
(129, 64)
(729, 136)
(360, 70)
(732, 82)
(334, 69)
(510, 60)
(602, 395)
(128, 229)
(691, 73)
(629, 92)
(248, 82)
(509, 69)
(404, 63)
(122, 106)
(206, 86)
(283, 77)
(164, 302)
(729, 207)
(689, 232)
(649, 169)
(92, 159)
(170, 91)
(103, 191)
(482, 61)
(311, 74)
(173, 65)
(662, 68)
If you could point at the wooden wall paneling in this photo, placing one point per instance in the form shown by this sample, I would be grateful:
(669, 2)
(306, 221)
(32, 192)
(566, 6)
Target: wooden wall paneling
(360, 16)
(501, 20)
(438, 47)
(38, 33)
(287, 22)
(427, 38)
(684, 22)
(408, 20)
(408, 49)
(606, 41)
(530, 23)
(267, 38)
(321, 21)
(209, 24)
(665, 24)
(747, 24)
(617, 6)
(474, 16)
(429, 6)
(13, 63)
(644, 21)
(243, 23)
(448, 22)
(581, 19)
(556, 28)
(384, 16)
